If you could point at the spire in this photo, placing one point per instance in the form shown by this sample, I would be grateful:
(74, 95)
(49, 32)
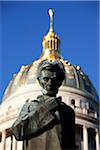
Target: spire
(51, 14)
(51, 42)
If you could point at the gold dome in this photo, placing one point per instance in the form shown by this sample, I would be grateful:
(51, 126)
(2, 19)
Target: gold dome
(51, 42)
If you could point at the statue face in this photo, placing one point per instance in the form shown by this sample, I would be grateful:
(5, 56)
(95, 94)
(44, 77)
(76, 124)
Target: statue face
(49, 81)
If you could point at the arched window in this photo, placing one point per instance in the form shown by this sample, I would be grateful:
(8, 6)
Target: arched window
(73, 102)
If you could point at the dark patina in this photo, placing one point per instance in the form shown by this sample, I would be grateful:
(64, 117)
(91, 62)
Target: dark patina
(40, 115)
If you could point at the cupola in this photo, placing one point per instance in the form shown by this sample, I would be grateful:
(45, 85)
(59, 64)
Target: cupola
(51, 42)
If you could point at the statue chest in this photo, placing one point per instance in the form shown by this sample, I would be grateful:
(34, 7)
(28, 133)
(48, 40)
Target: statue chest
(50, 140)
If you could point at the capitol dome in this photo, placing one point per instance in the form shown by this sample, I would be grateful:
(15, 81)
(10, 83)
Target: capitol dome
(77, 91)
(76, 79)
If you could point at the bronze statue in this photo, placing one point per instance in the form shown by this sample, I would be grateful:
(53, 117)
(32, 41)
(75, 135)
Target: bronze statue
(47, 118)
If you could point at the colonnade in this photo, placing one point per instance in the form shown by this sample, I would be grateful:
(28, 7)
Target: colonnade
(14, 143)
(85, 138)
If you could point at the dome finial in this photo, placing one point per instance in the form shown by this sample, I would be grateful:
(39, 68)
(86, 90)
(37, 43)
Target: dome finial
(51, 14)
(51, 42)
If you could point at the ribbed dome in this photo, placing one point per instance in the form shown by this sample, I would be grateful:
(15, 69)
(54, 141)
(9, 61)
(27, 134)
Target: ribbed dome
(75, 78)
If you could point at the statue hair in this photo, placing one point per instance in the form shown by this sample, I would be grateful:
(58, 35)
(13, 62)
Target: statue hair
(56, 66)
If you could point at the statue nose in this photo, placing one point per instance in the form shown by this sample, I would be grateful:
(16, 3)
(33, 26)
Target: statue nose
(49, 81)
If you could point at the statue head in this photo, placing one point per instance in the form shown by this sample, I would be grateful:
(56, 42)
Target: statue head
(50, 77)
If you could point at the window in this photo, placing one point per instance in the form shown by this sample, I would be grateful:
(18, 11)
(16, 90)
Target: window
(73, 102)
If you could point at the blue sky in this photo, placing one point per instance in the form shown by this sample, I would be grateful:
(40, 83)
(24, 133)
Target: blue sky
(24, 24)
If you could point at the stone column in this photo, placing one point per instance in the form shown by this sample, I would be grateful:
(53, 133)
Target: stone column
(52, 44)
(85, 138)
(11, 146)
(95, 114)
(84, 110)
(4, 140)
(14, 143)
(97, 139)
(55, 44)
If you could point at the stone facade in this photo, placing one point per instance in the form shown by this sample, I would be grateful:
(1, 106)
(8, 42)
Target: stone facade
(87, 126)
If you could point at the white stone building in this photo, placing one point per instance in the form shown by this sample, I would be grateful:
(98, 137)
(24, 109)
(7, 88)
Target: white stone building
(77, 91)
